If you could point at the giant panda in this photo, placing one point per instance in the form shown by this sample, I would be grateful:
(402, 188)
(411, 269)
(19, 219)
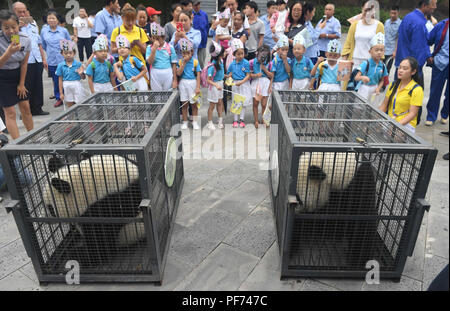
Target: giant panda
(99, 186)
(338, 183)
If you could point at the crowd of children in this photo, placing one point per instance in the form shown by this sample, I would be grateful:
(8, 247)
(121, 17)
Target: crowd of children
(251, 81)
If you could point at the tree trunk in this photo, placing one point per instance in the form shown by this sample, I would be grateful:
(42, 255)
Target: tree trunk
(50, 4)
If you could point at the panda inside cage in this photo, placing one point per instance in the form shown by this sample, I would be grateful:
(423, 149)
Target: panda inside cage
(355, 186)
(87, 174)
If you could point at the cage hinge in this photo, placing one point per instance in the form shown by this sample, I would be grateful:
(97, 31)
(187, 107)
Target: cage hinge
(292, 199)
(145, 204)
(12, 205)
(424, 204)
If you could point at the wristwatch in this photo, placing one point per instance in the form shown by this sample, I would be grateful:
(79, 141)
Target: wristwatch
(327, 36)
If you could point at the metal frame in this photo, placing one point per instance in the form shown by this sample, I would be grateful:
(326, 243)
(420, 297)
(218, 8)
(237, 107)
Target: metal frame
(141, 150)
(289, 202)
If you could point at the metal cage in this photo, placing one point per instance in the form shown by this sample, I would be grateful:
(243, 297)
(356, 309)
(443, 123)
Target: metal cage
(99, 185)
(347, 186)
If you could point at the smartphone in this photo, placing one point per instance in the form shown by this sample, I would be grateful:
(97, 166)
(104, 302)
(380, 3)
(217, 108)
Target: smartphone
(15, 39)
(180, 26)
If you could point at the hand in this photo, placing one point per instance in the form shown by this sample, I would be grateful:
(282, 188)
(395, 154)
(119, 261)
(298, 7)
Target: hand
(134, 79)
(270, 89)
(22, 91)
(394, 54)
(186, 58)
(45, 64)
(80, 70)
(219, 87)
(430, 60)
(377, 91)
(238, 83)
(273, 29)
(197, 91)
(61, 96)
(13, 48)
(156, 45)
(320, 60)
(174, 84)
(365, 79)
(75, 39)
(134, 43)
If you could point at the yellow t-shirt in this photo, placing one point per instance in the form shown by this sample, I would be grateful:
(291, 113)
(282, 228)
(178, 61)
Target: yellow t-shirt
(136, 34)
(402, 101)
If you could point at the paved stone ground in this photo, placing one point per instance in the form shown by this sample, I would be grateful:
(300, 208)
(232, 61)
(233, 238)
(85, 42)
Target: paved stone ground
(224, 236)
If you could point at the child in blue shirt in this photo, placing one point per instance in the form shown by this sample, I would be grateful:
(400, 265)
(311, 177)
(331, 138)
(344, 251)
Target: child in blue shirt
(372, 72)
(130, 67)
(281, 65)
(262, 80)
(301, 66)
(162, 58)
(239, 71)
(216, 75)
(100, 71)
(327, 70)
(189, 70)
(70, 72)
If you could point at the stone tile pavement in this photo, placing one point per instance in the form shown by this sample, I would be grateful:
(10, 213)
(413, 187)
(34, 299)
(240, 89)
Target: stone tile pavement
(224, 236)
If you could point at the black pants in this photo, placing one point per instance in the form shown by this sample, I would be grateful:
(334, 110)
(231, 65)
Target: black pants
(35, 87)
(389, 63)
(84, 43)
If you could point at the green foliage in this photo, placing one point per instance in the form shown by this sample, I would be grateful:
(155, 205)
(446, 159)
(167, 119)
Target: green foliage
(344, 13)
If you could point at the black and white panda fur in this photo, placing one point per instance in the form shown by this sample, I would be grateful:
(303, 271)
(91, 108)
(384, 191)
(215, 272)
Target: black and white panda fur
(100, 186)
(337, 183)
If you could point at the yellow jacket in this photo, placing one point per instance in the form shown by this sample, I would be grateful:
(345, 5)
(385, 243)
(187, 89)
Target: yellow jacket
(349, 45)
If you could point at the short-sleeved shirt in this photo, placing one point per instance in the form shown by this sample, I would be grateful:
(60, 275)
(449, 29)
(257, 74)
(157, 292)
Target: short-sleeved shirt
(194, 36)
(257, 67)
(391, 33)
(302, 69)
(163, 59)
(68, 73)
(238, 34)
(313, 50)
(170, 30)
(130, 69)
(279, 70)
(101, 73)
(220, 74)
(401, 102)
(136, 34)
(82, 26)
(14, 61)
(375, 72)
(332, 27)
(189, 72)
(330, 73)
(92, 20)
(268, 35)
(50, 43)
(32, 31)
(239, 70)
(105, 22)
(256, 29)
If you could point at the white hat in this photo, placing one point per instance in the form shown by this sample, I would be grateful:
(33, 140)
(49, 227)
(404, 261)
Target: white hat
(282, 41)
(298, 39)
(377, 39)
(334, 46)
(236, 44)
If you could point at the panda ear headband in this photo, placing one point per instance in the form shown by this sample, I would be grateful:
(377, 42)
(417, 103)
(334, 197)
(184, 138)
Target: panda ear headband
(217, 49)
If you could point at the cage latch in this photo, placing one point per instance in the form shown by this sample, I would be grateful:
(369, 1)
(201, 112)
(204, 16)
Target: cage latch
(145, 204)
(424, 204)
(12, 205)
(75, 142)
(362, 142)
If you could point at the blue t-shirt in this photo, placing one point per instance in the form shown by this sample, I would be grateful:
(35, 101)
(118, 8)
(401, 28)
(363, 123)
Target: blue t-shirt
(302, 69)
(163, 59)
(219, 73)
(68, 73)
(375, 72)
(257, 67)
(189, 72)
(102, 71)
(329, 73)
(239, 70)
(131, 70)
(280, 72)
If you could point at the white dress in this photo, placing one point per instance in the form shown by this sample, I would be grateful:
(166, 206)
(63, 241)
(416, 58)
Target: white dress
(363, 35)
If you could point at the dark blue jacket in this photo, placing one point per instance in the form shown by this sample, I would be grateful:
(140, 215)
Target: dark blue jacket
(435, 35)
(413, 38)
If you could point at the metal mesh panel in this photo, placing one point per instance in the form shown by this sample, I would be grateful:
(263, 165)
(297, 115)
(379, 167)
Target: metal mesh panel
(357, 198)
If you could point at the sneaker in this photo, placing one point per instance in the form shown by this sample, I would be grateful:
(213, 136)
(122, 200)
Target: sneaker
(235, 124)
(444, 134)
(242, 124)
(59, 103)
(211, 126)
(220, 123)
(444, 121)
(445, 157)
(429, 123)
(195, 125)
(184, 125)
